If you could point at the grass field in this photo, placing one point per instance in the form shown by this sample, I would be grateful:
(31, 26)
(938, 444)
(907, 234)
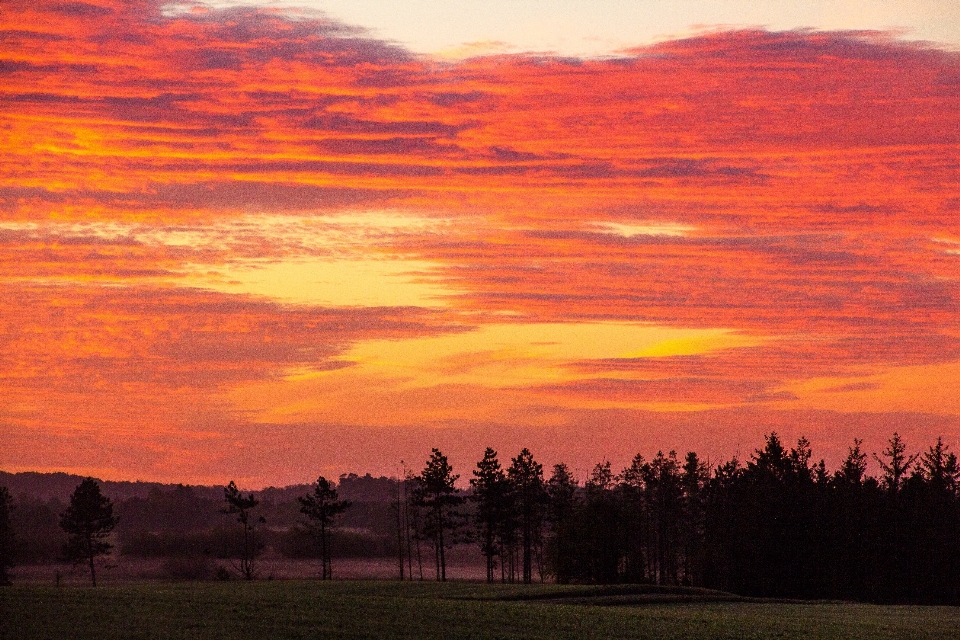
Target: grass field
(381, 609)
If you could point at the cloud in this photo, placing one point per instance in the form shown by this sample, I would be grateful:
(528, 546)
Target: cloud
(791, 191)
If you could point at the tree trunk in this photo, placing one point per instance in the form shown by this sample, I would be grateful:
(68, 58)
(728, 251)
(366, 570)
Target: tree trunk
(443, 559)
(246, 565)
(93, 571)
(400, 528)
(527, 544)
(489, 550)
(324, 552)
(419, 558)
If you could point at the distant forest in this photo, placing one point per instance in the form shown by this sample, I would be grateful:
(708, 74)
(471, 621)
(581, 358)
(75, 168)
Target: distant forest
(777, 525)
(179, 521)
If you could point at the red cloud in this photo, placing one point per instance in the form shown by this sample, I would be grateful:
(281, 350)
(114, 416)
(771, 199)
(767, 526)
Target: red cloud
(807, 183)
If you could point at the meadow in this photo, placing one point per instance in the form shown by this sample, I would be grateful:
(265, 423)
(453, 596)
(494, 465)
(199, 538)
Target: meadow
(386, 609)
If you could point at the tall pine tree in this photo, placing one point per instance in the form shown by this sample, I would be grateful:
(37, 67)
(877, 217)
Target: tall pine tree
(526, 477)
(322, 507)
(490, 491)
(437, 494)
(88, 522)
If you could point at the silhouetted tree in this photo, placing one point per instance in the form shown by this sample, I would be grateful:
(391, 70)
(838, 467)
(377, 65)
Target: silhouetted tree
(853, 471)
(776, 530)
(939, 467)
(850, 522)
(562, 517)
(694, 481)
(415, 521)
(600, 529)
(508, 535)
(895, 463)
(663, 489)
(723, 557)
(437, 494)
(241, 505)
(896, 570)
(399, 506)
(322, 507)
(933, 517)
(635, 514)
(88, 522)
(526, 477)
(490, 492)
(7, 540)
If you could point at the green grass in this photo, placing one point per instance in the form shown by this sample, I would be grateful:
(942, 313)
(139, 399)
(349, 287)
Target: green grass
(375, 609)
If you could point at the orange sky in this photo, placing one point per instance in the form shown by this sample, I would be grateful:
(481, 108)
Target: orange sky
(262, 246)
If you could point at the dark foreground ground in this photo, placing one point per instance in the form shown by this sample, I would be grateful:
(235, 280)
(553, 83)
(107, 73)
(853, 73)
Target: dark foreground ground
(382, 609)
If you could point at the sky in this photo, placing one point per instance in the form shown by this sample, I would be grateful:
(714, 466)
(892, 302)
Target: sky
(266, 242)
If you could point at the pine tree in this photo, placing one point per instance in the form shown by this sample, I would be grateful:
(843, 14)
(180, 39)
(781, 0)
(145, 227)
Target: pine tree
(854, 467)
(851, 519)
(437, 494)
(88, 522)
(940, 468)
(562, 516)
(322, 507)
(895, 471)
(636, 515)
(695, 477)
(601, 546)
(526, 477)
(241, 505)
(490, 491)
(664, 493)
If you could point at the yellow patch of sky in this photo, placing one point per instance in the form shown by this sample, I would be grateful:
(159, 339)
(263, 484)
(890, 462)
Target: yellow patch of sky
(929, 388)
(505, 355)
(485, 373)
(332, 260)
(329, 282)
(344, 274)
(338, 260)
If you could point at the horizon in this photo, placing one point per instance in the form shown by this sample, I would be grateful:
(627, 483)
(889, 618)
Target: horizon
(247, 241)
(463, 477)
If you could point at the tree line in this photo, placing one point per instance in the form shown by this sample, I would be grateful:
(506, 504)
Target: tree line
(776, 525)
